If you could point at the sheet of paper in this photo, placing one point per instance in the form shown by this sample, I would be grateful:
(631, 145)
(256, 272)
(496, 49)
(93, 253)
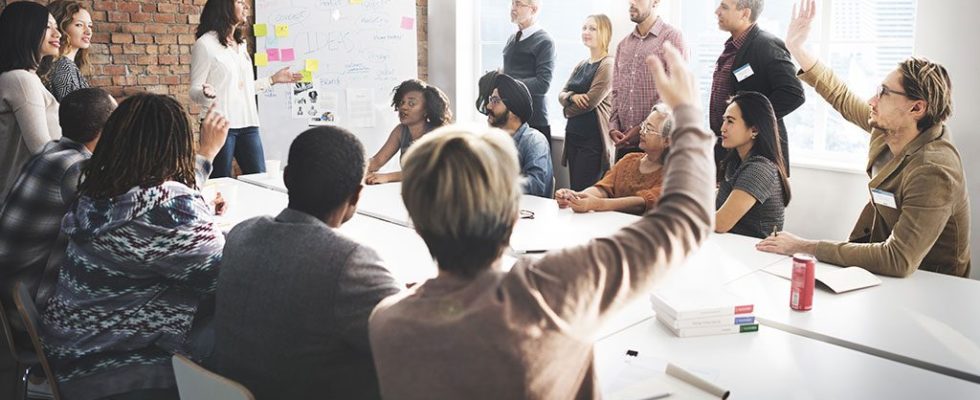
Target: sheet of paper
(327, 104)
(360, 107)
(838, 279)
(641, 377)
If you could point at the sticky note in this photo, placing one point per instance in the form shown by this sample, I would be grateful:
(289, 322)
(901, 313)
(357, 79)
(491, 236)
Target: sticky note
(287, 55)
(260, 30)
(408, 23)
(312, 65)
(273, 54)
(261, 59)
(307, 76)
(282, 30)
(357, 1)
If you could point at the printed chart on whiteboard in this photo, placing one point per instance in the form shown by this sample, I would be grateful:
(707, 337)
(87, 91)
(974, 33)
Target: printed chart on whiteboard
(351, 53)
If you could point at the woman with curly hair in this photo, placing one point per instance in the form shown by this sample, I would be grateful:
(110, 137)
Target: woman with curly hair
(421, 108)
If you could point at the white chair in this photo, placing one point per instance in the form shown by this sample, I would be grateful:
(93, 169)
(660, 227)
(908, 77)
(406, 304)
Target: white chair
(194, 382)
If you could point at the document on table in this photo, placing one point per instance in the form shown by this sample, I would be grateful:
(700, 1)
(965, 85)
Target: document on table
(838, 279)
(640, 377)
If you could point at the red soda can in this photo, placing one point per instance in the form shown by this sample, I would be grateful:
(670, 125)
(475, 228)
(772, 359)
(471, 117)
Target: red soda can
(801, 288)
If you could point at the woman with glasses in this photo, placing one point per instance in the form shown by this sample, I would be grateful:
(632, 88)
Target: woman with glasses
(587, 104)
(635, 183)
(421, 108)
(753, 190)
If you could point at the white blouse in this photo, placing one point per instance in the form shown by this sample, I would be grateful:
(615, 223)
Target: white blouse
(229, 72)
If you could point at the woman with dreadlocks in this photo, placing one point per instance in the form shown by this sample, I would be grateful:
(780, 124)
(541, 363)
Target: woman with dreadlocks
(142, 256)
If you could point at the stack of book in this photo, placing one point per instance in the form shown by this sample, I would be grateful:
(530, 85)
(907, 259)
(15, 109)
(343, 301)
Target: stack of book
(703, 312)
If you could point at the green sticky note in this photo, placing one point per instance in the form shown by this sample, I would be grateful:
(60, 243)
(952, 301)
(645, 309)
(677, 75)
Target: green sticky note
(307, 76)
(261, 59)
(282, 30)
(260, 30)
(312, 65)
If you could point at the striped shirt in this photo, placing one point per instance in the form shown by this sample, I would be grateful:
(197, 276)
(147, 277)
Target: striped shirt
(65, 77)
(722, 84)
(759, 177)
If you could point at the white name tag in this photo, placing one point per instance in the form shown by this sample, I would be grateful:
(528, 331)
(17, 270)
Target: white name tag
(883, 198)
(743, 72)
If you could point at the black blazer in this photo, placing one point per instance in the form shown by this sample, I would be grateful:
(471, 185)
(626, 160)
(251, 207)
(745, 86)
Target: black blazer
(774, 75)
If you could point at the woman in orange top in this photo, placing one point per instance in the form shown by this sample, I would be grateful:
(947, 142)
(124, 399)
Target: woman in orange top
(635, 183)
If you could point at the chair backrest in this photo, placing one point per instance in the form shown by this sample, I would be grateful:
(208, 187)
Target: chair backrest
(195, 382)
(21, 353)
(28, 311)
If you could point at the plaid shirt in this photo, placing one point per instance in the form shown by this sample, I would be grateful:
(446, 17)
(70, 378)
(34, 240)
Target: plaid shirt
(31, 214)
(633, 94)
(723, 83)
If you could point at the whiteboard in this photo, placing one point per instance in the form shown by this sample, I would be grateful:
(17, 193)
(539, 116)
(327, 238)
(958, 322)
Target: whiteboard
(364, 48)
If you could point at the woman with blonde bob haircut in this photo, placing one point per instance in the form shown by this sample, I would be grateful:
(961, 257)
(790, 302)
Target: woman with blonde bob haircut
(479, 332)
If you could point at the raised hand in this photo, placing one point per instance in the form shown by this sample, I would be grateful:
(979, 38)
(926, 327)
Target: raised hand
(678, 89)
(208, 91)
(799, 31)
(214, 131)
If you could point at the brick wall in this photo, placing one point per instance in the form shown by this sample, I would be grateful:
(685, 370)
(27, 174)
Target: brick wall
(146, 45)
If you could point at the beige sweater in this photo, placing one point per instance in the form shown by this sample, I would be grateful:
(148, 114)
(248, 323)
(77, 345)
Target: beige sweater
(28, 120)
(528, 333)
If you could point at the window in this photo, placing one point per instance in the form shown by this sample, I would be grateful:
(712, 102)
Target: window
(861, 40)
(563, 20)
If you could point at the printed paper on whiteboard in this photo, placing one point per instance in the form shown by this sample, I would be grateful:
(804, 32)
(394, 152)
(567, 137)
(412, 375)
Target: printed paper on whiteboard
(326, 104)
(360, 108)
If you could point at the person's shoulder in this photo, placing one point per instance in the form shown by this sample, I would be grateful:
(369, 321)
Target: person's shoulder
(758, 166)
(631, 157)
(20, 77)
(208, 39)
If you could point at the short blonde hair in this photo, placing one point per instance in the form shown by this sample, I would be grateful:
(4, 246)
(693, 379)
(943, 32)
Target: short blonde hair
(604, 31)
(462, 190)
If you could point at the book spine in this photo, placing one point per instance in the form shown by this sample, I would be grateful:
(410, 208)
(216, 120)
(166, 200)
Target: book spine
(694, 332)
(710, 321)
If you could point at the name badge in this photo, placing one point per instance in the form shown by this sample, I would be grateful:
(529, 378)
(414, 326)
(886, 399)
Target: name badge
(743, 72)
(883, 198)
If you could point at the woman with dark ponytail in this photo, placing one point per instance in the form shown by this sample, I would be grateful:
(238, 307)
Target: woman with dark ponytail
(753, 189)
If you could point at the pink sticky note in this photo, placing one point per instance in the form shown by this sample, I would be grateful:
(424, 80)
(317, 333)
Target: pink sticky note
(273, 54)
(287, 55)
(408, 23)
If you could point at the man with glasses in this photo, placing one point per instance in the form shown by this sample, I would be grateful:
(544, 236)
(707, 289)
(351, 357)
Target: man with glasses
(509, 108)
(633, 93)
(919, 213)
(529, 57)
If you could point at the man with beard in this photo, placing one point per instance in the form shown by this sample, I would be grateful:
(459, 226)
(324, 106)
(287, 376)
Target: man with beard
(919, 213)
(633, 93)
(509, 108)
(753, 61)
(529, 57)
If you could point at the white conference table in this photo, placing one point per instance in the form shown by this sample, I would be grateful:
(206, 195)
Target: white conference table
(928, 320)
(769, 364)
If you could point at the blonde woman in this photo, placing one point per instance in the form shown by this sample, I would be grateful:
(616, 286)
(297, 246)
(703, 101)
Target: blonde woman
(635, 183)
(587, 104)
(63, 75)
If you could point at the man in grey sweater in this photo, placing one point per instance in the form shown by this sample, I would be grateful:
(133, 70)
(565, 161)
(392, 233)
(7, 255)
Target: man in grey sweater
(294, 294)
(529, 57)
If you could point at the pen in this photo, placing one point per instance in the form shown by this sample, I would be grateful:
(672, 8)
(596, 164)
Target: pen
(774, 232)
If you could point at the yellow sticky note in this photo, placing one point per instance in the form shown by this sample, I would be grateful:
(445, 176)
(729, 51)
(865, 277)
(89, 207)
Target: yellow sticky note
(357, 1)
(282, 30)
(307, 76)
(260, 30)
(261, 59)
(312, 65)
